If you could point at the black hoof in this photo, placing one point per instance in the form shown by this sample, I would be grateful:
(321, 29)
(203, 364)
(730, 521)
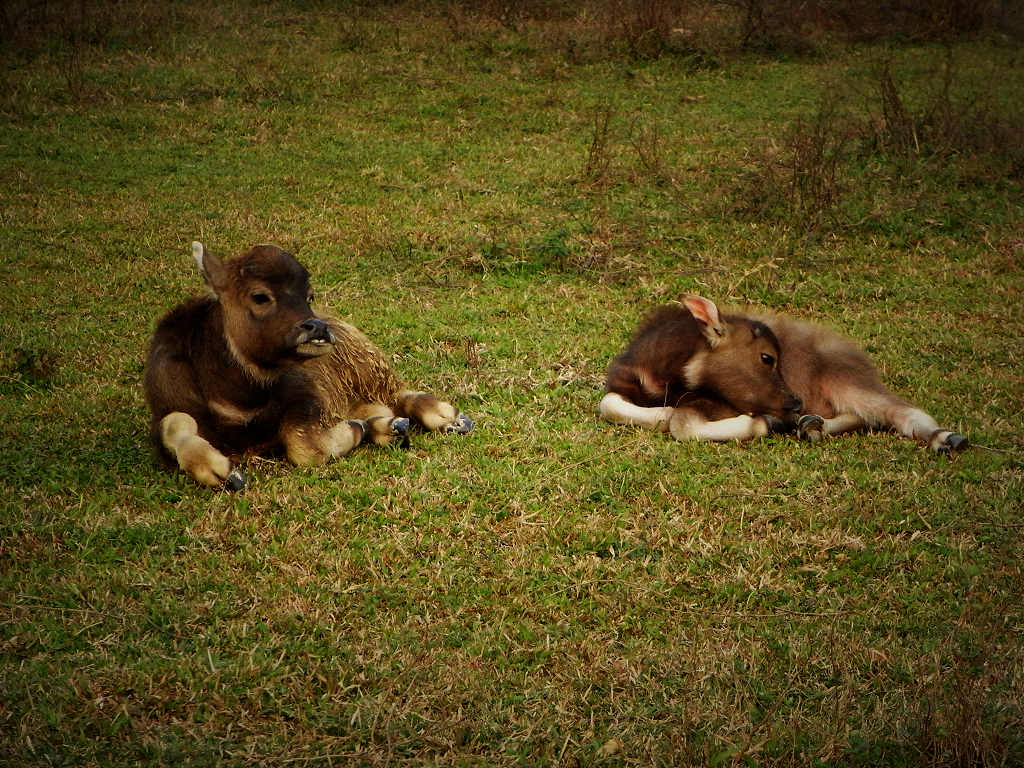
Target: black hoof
(775, 425)
(462, 425)
(363, 426)
(956, 442)
(811, 427)
(951, 443)
(235, 481)
(400, 429)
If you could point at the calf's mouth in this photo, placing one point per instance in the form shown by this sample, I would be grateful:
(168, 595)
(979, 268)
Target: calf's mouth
(314, 339)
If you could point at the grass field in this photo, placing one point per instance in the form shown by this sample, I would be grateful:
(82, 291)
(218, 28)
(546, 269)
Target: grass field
(497, 205)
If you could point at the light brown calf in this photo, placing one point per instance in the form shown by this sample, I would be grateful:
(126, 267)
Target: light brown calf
(700, 374)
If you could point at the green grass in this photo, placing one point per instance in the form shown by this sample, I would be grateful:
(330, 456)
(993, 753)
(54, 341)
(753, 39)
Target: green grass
(549, 589)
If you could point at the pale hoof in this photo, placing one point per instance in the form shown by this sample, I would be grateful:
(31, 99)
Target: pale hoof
(811, 428)
(462, 425)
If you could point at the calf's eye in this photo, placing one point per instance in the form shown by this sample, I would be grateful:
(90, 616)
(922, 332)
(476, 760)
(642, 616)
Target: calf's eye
(261, 298)
(767, 359)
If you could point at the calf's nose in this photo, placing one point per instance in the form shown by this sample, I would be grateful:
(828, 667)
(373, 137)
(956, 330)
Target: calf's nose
(794, 403)
(314, 326)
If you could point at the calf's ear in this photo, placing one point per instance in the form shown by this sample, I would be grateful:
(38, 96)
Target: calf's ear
(708, 320)
(211, 266)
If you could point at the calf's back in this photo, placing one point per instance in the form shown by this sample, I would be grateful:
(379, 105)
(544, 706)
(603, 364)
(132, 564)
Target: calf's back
(830, 373)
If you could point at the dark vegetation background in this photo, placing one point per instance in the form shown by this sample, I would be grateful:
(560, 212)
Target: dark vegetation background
(496, 192)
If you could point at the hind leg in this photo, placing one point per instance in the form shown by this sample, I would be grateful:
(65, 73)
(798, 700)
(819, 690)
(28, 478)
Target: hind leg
(699, 419)
(433, 414)
(882, 408)
(915, 423)
(890, 412)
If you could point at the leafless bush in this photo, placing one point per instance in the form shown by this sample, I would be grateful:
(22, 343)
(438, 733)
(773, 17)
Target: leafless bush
(807, 174)
(775, 25)
(799, 176)
(70, 30)
(797, 25)
(915, 19)
(896, 130)
(649, 146)
(813, 158)
(645, 26)
(25, 22)
(598, 160)
(943, 125)
(513, 13)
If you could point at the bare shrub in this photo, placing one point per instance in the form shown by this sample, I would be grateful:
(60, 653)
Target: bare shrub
(800, 175)
(71, 31)
(513, 13)
(896, 130)
(945, 126)
(26, 24)
(598, 161)
(650, 150)
(914, 19)
(805, 175)
(797, 25)
(645, 26)
(775, 25)
(813, 159)
(706, 29)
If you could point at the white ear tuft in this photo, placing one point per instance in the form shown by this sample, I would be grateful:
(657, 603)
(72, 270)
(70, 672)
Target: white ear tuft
(198, 251)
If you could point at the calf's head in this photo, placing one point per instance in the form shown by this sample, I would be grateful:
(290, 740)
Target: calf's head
(265, 296)
(740, 363)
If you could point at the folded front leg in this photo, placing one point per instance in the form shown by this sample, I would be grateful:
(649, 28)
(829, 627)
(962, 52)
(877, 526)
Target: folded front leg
(690, 424)
(179, 435)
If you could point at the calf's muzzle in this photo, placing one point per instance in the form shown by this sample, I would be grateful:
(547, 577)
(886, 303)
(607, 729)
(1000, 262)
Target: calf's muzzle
(315, 337)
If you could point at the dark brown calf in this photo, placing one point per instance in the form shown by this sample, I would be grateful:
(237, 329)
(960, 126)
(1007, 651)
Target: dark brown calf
(253, 369)
(703, 375)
